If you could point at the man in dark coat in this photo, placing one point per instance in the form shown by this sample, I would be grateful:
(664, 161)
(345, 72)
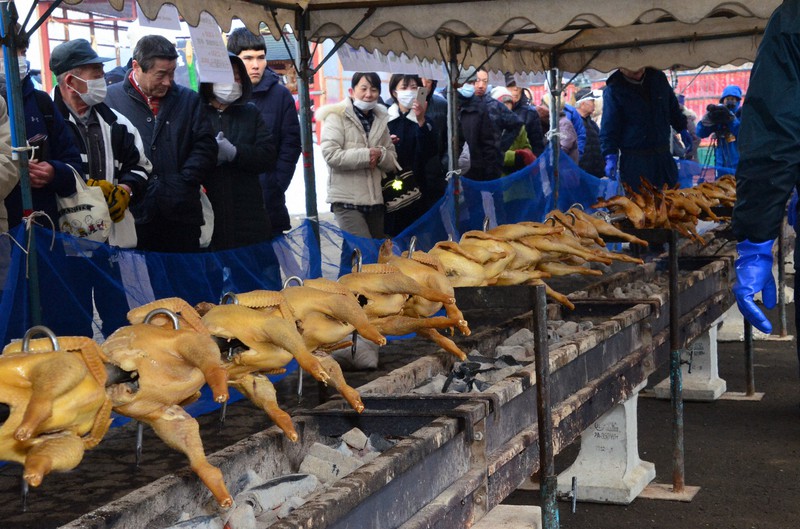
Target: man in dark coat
(280, 114)
(177, 139)
(475, 130)
(769, 162)
(591, 160)
(638, 109)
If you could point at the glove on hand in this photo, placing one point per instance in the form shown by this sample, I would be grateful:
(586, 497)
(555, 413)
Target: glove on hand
(118, 201)
(754, 275)
(227, 150)
(523, 158)
(611, 165)
(105, 185)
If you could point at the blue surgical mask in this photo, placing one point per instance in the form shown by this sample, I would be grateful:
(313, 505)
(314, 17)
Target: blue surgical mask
(467, 91)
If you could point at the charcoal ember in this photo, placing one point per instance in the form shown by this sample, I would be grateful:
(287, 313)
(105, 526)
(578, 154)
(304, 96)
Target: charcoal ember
(378, 443)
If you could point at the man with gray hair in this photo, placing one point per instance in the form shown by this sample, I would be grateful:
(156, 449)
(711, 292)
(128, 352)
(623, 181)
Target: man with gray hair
(178, 141)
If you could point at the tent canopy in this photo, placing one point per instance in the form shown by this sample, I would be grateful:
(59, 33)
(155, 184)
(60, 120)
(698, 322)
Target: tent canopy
(533, 35)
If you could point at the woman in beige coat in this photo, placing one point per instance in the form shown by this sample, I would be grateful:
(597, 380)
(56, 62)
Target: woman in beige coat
(358, 150)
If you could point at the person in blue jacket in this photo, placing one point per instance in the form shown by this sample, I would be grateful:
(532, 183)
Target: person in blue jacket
(723, 122)
(278, 110)
(639, 106)
(769, 163)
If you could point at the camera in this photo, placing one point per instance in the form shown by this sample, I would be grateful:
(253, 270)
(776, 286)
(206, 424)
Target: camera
(718, 115)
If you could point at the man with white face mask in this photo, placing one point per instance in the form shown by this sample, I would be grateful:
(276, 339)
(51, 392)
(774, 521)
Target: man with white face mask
(113, 159)
(111, 147)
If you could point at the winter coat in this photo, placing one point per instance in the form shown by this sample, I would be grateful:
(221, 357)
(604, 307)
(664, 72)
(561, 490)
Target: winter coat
(345, 147)
(416, 147)
(636, 123)
(63, 156)
(591, 160)
(569, 138)
(280, 115)
(179, 144)
(233, 188)
(476, 129)
(726, 153)
(577, 122)
(533, 125)
(125, 161)
(506, 123)
(769, 163)
(436, 168)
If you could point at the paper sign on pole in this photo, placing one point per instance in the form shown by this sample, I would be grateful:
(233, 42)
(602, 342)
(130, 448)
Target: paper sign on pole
(167, 18)
(211, 56)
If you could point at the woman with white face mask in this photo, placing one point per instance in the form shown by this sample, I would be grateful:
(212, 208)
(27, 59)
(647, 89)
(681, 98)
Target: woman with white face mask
(414, 140)
(359, 152)
(245, 149)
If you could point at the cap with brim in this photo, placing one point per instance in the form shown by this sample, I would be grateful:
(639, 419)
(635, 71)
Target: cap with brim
(74, 54)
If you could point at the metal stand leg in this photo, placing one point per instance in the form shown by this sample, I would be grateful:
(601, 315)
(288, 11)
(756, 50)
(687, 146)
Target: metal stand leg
(675, 377)
(749, 374)
(547, 477)
(24, 495)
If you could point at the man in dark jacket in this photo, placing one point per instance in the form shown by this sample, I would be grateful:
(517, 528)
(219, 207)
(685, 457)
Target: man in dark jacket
(113, 160)
(591, 160)
(769, 162)
(279, 113)
(505, 122)
(177, 139)
(638, 109)
(476, 132)
(51, 168)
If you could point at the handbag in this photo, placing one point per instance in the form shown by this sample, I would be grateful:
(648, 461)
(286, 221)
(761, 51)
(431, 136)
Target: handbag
(399, 190)
(123, 233)
(207, 229)
(84, 214)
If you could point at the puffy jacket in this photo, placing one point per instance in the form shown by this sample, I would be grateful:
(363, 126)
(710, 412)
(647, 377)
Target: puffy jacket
(533, 125)
(179, 144)
(345, 147)
(636, 123)
(770, 132)
(506, 123)
(63, 156)
(279, 113)
(233, 188)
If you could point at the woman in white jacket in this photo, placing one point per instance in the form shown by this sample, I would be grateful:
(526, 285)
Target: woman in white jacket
(358, 150)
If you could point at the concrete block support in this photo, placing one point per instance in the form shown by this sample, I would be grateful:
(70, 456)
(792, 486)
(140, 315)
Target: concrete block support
(511, 517)
(608, 467)
(703, 383)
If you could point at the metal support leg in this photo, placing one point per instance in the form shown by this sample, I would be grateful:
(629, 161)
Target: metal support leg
(675, 376)
(547, 477)
(749, 374)
(782, 285)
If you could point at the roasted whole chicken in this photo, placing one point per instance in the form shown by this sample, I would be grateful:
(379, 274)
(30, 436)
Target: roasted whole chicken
(58, 406)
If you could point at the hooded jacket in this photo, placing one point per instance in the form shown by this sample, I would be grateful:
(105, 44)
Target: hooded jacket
(345, 147)
(234, 188)
(533, 125)
(477, 131)
(279, 113)
(726, 153)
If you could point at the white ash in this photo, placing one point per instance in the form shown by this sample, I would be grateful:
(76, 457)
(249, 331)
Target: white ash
(199, 522)
(289, 505)
(636, 290)
(521, 337)
(271, 494)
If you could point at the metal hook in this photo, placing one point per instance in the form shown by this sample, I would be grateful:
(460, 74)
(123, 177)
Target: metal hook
(574, 218)
(577, 205)
(550, 218)
(39, 329)
(486, 222)
(293, 279)
(412, 245)
(355, 260)
(165, 312)
(229, 296)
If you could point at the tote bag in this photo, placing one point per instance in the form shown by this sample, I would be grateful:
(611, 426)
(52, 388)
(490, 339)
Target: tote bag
(85, 213)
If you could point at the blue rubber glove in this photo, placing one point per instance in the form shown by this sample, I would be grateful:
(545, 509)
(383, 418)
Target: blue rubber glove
(754, 275)
(611, 165)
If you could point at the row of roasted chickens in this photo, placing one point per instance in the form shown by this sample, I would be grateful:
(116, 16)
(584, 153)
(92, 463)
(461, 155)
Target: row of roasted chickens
(60, 399)
(678, 209)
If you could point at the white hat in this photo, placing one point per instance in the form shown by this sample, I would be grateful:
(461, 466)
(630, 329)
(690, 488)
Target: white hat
(500, 93)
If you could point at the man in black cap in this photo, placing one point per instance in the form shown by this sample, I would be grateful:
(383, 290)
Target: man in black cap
(113, 159)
